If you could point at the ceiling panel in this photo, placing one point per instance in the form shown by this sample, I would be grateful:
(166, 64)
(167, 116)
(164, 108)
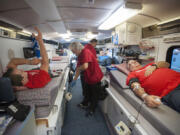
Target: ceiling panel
(79, 24)
(6, 5)
(157, 11)
(143, 20)
(82, 15)
(46, 9)
(104, 4)
(23, 17)
(162, 8)
(81, 27)
(58, 26)
(79, 15)
(44, 27)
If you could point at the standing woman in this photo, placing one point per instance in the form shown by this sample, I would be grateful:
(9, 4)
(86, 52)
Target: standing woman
(92, 74)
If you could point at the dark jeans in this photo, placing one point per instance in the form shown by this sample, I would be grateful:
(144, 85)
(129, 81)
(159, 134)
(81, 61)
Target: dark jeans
(172, 99)
(83, 83)
(92, 95)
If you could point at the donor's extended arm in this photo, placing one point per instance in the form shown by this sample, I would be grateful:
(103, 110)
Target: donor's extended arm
(21, 61)
(44, 62)
(150, 100)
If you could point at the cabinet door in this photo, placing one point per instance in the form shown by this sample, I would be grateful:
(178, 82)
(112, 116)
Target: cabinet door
(133, 34)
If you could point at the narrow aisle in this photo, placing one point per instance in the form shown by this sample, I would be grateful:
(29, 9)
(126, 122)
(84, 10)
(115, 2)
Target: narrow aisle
(76, 123)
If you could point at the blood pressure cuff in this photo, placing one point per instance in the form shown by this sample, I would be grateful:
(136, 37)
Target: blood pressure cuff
(132, 80)
(18, 111)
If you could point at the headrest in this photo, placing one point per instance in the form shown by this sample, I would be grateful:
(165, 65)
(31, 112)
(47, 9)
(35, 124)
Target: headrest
(123, 68)
(6, 90)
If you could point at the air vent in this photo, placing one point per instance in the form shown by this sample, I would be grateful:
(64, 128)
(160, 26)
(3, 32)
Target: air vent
(170, 27)
(172, 39)
(163, 29)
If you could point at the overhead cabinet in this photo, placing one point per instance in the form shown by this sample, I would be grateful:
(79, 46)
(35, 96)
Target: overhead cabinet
(129, 33)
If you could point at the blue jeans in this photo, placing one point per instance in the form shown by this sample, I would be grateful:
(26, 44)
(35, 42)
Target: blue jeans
(172, 99)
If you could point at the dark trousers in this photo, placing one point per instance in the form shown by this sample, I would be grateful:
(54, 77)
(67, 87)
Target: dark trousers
(92, 95)
(172, 99)
(83, 83)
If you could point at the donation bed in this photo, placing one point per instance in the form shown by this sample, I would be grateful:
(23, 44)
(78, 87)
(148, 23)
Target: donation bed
(41, 97)
(49, 101)
(123, 105)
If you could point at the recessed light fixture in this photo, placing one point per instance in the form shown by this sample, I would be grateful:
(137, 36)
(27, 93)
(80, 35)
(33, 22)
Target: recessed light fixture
(7, 29)
(122, 14)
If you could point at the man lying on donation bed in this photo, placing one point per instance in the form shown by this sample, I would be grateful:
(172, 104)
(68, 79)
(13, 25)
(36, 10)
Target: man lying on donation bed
(33, 78)
(153, 82)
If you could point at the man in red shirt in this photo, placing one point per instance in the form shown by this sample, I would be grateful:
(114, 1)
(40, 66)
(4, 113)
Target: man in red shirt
(153, 82)
(91, 46)
(33, 78)
(92, 74)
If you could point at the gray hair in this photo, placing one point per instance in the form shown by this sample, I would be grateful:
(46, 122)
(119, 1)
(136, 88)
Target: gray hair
(76, 46)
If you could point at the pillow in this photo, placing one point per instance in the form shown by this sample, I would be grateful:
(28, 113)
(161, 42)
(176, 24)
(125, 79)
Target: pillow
(123, 68)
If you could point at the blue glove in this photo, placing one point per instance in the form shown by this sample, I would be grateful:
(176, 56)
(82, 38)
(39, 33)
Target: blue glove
(36, 47)
(72, 84)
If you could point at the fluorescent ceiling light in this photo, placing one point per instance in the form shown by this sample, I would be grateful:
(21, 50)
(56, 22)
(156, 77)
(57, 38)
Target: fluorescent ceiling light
(119, 16)
(90, 35)
(68, 40)
(25, 32)
(51, 35)
(69, 32)
(3, 28)
(22, 33)
(85, 39)
(67, 35)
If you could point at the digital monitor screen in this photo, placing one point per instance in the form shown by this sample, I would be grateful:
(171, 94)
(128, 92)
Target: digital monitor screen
(175, 62)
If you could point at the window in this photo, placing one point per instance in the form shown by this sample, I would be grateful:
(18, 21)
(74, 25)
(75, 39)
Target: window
(173, 57)
(175, 62)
